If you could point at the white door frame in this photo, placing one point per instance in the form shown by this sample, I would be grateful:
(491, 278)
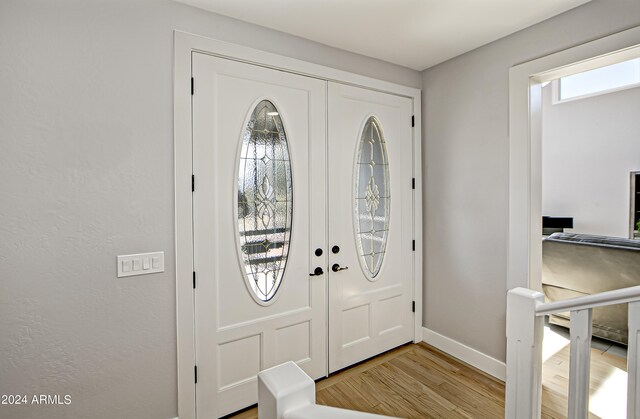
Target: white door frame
(525, 140)
(184, 45)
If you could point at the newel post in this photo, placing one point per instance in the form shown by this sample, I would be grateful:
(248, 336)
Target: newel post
(524, 354)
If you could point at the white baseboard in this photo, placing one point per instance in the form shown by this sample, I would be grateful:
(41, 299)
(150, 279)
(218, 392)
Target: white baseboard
(466, 354)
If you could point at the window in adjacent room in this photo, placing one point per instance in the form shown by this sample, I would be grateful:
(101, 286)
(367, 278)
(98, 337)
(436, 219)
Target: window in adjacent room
(634, 217)
(611, 78)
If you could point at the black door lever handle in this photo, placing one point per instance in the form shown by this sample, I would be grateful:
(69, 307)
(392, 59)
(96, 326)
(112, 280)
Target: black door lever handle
(317, 271)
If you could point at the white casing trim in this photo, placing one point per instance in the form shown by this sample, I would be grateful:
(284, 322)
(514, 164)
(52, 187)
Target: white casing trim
(524, 262)
(477, 359)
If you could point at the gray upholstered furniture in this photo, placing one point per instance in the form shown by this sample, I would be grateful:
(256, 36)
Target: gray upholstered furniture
(575, 265)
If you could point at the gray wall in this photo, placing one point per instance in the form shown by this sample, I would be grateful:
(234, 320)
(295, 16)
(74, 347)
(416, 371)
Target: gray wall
(466, 158)
(589, 148)
(86, 173)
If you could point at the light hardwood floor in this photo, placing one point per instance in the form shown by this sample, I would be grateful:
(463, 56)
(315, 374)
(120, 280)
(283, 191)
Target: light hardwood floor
(419, 381)
(608, 383)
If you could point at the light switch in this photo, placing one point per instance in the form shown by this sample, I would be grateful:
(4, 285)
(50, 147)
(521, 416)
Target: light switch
(140, 264)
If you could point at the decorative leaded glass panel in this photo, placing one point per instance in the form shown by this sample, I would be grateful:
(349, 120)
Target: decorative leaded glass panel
(265, 201)
(371, 192)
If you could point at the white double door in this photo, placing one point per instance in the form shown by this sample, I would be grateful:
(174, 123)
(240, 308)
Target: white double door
(302, 225)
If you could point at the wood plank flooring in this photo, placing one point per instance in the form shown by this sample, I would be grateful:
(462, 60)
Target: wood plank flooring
(607, 386)
(413, 381)
(419, 381)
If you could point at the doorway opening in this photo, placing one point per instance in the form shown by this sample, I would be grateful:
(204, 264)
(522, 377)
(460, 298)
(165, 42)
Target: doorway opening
(526, 83)
(209, 197)
(532, 86)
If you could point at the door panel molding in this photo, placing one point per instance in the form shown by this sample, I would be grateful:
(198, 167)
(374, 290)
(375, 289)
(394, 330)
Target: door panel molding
(184, 45)
(295, 312)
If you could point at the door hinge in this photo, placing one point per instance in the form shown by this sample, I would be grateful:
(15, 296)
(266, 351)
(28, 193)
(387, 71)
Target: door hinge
(413, 118)
(194, 280)
(192, 86)
(195, 373)
(413, 183)
(193, 183)
(413, 245)
(413, 306)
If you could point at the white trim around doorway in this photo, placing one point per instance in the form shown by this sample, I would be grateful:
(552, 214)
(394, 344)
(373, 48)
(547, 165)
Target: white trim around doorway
(184, 45)
(525, 140)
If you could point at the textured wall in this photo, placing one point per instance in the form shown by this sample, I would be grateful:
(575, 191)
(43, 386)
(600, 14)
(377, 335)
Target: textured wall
(589, 148)
(466, 183)
(86, 173)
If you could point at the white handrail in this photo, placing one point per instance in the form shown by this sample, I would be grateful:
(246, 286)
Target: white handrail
(620, 296)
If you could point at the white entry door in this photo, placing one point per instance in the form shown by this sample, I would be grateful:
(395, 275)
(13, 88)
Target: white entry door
(259, 214)
(370, 223)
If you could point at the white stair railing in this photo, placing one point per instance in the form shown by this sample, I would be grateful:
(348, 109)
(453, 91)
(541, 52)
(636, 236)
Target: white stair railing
(525, 327)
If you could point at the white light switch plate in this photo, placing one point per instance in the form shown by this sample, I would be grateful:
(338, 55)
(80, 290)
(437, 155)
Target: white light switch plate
(140, 264)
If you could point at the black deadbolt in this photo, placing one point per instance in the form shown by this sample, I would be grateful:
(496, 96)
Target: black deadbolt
(335, 249)
(318, 252)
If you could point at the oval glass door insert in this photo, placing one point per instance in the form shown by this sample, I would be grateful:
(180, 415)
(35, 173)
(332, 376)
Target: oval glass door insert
(372, 198)
(265, 201)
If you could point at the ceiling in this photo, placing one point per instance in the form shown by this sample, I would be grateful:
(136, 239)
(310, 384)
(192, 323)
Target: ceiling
(413, 33)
